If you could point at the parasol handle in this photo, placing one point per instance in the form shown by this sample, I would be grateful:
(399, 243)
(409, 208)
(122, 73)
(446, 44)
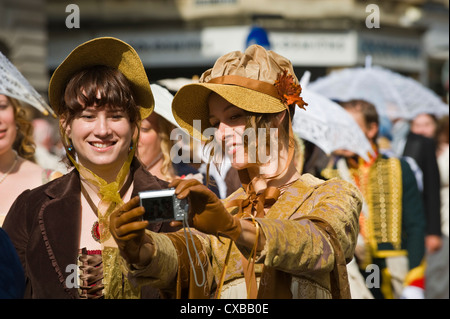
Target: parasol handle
(368, 62)
(304, 81)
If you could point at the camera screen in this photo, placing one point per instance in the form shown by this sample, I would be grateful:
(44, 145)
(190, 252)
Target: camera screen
(158, 205)
(158, 209)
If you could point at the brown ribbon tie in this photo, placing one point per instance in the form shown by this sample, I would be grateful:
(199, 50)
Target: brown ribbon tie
(255, 202)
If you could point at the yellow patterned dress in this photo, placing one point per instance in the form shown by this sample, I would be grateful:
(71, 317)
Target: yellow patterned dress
(310, 233)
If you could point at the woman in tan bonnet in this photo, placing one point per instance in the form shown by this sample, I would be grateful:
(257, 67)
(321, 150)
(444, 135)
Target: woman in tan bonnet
(282, 235)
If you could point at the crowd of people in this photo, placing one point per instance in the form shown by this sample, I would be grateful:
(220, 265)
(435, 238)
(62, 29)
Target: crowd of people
(294, 223)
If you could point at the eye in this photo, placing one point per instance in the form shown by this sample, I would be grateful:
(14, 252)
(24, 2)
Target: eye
(87, 115)
(117, 115)
(146, 128)
(235, 116)
(4, 105)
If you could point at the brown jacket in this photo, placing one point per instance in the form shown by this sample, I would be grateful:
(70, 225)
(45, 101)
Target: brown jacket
(44, 226)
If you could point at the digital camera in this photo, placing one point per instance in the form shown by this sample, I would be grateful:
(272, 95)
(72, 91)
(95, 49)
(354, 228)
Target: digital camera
(163, 205)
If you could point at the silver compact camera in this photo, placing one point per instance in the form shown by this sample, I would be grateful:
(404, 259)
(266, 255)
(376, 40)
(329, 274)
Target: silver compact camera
(163, 205)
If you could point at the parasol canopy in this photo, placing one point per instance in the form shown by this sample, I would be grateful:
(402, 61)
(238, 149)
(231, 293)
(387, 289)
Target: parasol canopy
(327, 125)
(14, 84)
(394, 95)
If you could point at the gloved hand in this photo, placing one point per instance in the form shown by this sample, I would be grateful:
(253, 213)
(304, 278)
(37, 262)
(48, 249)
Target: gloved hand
(128, 230)
(206, 212)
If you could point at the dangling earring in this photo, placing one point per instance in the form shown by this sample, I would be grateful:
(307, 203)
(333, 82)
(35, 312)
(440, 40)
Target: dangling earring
(70, 147)
(132, 145)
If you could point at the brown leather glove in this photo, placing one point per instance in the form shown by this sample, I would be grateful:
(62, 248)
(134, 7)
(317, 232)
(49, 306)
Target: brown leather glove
(128, 231)
(206, 212)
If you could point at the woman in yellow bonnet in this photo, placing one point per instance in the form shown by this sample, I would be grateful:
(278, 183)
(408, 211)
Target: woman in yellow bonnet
(100, 93)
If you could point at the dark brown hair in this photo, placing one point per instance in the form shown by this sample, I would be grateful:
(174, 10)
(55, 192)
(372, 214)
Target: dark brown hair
(367, 109)
(101, 86)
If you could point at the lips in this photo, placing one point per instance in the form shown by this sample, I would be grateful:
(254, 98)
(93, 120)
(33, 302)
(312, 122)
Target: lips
(102, 145)
(231, 148)
(3, 133)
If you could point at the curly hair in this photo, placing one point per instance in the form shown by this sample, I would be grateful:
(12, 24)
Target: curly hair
(24, 142)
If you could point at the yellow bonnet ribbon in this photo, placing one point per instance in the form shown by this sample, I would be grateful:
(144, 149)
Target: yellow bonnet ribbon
(115, 284)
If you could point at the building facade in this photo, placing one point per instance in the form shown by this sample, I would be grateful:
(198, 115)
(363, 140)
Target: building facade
(182, 38)
(23, 39)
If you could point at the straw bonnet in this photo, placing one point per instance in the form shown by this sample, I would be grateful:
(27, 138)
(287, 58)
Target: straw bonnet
(105, 51)
(256, 80)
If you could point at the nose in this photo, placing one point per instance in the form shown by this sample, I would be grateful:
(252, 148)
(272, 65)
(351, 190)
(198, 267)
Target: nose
(102, 127)
(221, 131)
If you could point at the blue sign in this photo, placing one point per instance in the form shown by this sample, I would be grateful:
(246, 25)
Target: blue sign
(258, 36)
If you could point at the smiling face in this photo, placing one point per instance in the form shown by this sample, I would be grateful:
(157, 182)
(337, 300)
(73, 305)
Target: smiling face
(99, 119)
(8, 130)
(101, 137)
(424, 124)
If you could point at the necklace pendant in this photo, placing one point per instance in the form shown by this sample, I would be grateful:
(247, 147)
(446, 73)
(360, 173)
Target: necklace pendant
(95, 231)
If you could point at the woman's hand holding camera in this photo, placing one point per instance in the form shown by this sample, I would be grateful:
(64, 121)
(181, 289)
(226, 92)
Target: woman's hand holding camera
(128, 229)
(206, 212)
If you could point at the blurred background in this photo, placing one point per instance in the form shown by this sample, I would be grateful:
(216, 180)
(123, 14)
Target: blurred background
(182, 38)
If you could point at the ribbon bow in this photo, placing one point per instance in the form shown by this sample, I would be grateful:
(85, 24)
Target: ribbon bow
(110, 192)
(255, 202)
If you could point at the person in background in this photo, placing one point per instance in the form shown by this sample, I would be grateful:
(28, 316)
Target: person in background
(422, 150)
(425, 124)
(155, 144)
(392, 221)
(60, 230)
(18, 170)
(46, 139)
(280, 235)
(437, 268)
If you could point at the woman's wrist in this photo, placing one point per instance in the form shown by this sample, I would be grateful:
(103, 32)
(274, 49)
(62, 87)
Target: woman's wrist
(146, 252)
(249, 234)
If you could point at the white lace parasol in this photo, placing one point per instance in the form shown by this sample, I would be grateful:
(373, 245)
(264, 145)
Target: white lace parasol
(13, 84)
(327, 125)
(394, 95)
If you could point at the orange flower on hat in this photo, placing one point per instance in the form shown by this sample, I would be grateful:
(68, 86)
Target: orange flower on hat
(288, 90)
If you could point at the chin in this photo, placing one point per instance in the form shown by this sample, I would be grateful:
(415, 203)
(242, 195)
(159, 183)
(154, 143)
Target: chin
(106, 161)
(243, 165)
